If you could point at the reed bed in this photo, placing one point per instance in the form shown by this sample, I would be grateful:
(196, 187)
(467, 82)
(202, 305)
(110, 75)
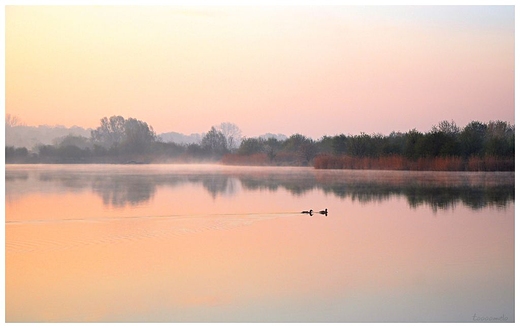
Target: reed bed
(395, 162)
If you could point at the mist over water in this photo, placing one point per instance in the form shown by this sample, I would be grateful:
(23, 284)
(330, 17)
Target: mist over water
(210, 243)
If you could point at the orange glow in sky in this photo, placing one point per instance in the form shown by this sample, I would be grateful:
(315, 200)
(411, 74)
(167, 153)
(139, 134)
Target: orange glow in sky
(314, 70)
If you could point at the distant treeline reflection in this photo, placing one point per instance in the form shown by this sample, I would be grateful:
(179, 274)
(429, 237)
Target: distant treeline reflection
(437, 190)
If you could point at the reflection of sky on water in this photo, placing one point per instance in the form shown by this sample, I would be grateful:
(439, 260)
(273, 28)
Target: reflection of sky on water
(121, 186)
(176, 244)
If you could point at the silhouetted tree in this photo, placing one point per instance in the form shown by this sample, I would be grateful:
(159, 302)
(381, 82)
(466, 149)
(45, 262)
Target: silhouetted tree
(363, 145)
(413, 143)
(73, 140)
(47, 151)
(272, 147)
(339, 145)
(111, 131)
(195, 151)
(394, 144)
(445, 136)
(251, 146)
(304, 147)
(472, 139)
(16, 155)
(168, 149)
(449, 128)
(120, 135)
(324, 145)
(499, 139)
(72, 154)
(214, 142)
(138, 136)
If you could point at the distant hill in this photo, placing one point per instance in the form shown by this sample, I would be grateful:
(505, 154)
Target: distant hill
(179, 138)
(195, 138)
(279, 136)
(31, 136)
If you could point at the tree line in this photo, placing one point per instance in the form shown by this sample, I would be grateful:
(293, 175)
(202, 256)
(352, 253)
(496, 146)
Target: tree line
(477, 146)
(120, 140)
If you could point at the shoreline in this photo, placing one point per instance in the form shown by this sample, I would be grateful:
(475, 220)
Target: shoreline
(330, 162)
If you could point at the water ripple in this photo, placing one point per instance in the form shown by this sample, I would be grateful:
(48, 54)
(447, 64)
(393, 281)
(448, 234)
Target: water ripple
(147, 227)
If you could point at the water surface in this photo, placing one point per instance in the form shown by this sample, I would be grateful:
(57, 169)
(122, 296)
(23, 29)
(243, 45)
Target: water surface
(207, 243)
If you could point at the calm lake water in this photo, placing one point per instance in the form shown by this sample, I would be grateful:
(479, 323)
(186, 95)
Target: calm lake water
(208, 243)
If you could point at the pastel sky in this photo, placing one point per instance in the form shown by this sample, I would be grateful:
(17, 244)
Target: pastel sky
(314, 70)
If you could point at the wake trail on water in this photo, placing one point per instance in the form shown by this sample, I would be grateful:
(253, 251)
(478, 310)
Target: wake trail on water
(146, 227)
(156, 217)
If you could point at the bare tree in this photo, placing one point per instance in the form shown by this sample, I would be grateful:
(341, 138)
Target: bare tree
(12, 120)
(232, 133)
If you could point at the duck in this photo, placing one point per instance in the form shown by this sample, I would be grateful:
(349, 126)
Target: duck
(324, 212)
(307, 212)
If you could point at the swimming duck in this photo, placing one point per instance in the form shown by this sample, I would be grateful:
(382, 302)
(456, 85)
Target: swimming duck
(325, 212)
